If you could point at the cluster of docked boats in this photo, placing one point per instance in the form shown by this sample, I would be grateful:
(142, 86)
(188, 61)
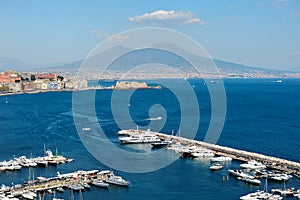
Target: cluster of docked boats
(262, 195)
(75, 181)
(18, 163)
(258, 171)
(277, 194)
(136, 136)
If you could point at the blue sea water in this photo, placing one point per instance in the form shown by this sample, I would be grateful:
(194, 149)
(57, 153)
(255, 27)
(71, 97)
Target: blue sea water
(262, 116)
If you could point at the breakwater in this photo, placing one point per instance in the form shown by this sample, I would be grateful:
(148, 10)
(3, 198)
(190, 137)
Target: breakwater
(274, 163)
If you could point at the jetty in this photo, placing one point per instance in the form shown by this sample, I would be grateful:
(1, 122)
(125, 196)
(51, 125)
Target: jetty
(274, 163)
(74, 181)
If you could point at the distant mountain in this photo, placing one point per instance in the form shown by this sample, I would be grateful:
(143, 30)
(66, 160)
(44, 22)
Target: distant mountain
(182, 64)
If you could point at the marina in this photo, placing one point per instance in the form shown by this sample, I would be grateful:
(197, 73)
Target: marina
(55, 127)
(261, 161)
(189, 147)
(254, 164)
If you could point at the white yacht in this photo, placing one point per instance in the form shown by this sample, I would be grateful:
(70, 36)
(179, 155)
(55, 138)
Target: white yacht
(216, 166)
(100, 183)
(253, 165)
(239, 173)
(253, 181)
(260, 195)
(140, 137)
(279, 177)
(116, 180)
(221, 159)
(201, 152)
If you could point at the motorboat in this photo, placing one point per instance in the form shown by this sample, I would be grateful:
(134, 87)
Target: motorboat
(116, 180)
(253, 181)
(86, 185)
(297, 194)
(201, 153)
(240, 173)
(279, 177)
(284, 192)
(260, 195)
(253, 165)
(100, 183)
(59, 189)
(216, 166)
(160, 144)
(76, 187)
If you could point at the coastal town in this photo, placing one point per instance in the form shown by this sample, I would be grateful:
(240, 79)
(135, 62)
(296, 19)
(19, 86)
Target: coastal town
(13, 82)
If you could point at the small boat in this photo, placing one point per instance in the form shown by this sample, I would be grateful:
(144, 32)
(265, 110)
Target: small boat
(27, 196)
(284, 192)
(100, 183)
(216, 167)
(160, 144)
(59, 189)
(76, 187)
(297, 194)
(70, 160)
(86, 129)
(86, 186)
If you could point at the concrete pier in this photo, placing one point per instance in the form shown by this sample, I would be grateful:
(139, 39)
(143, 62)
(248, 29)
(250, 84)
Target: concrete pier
(289, 167)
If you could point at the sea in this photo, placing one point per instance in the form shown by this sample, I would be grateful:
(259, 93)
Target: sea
(262, 115)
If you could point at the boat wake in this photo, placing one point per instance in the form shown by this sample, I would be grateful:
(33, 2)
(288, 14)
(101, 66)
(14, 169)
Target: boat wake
(154, 118)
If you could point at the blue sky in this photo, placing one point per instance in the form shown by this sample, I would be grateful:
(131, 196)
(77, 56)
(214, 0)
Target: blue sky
(256, 33)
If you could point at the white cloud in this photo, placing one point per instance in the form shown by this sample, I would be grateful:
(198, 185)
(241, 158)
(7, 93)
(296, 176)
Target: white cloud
(171, 17)
(278, 3)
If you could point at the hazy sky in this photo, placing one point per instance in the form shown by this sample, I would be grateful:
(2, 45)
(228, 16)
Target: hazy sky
(255, 32)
